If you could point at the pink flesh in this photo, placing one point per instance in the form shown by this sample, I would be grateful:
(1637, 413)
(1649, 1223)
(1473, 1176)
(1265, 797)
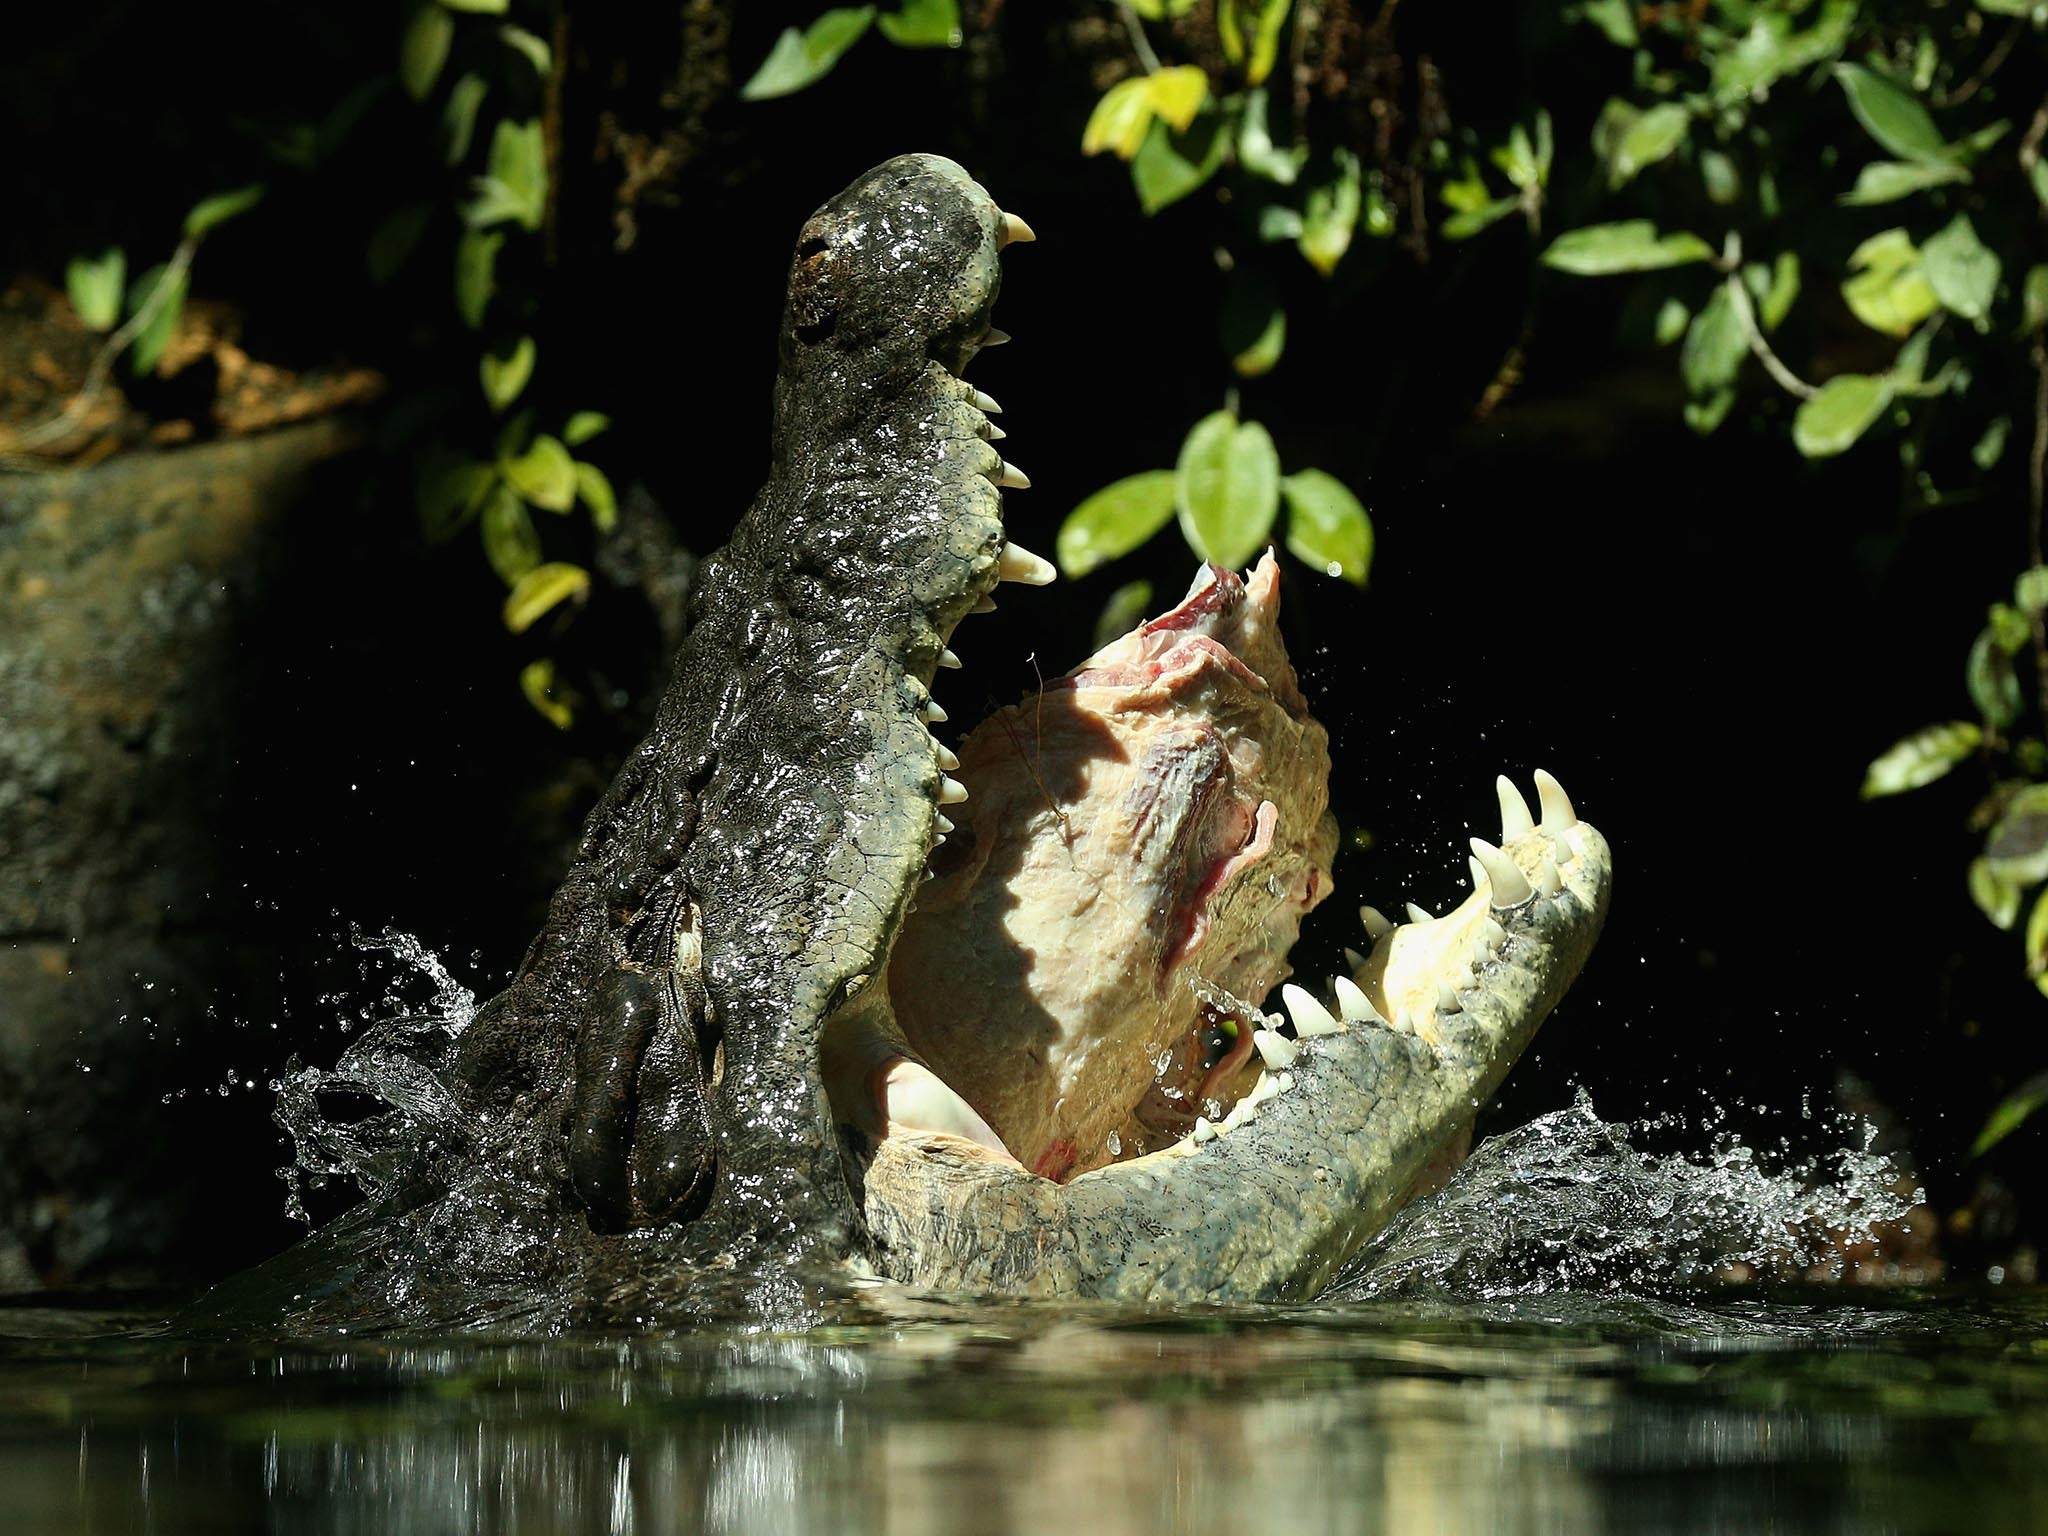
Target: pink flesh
(1160, 812)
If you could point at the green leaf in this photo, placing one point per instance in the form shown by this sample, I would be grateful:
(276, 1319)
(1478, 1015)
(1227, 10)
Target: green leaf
(516, 186)
(394, 241)
(93, 284)
(1256, 151)
(1114, 521)
(2018, 845)
(1651, 137)
(803, 58)
(1474, 221)
(1714, 349)
(1997, 899)
(458, 117)
(1773, 288)
(424, 49)
(219, 208)
(2030, 589)
(1962, 272)
(448, 492)
(1253, 325)
(2018, 1106)
(1770, 49)
(1633, 245)
(1171, 165)
(924, 24)
(1841, 412)
(595, 491)
(2034, 300)
(544, 474)
(511, 542)
(479, 7)
(1616, 19)
(1227, 489)
(1921, 758)
(1671, 322)
(583, 426)
(1891, 115)
(1330, 215)
(537, 682)
(1990, 445)
(531, 48)
(147, 350)
(1271, 16)
(1123, 611)
(1177, 94)
(1327, 527)
(476, 255)
(1120, 119)
(504, 378)
(543, 588)
(1889, 293)
(1994, 685)
(2008, 628)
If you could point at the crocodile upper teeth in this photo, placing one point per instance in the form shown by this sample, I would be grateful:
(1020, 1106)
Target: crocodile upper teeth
(933, 714)
(1353, 1004)
(948, 758)
(951, 790)
(1020, 564)
(948, 659)
(1310, 1017)
(1276, 1050)
(986, 402)
(1011, 476)
(1014, 231)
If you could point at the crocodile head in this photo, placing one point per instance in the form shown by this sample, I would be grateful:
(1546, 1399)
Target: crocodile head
(818, 987)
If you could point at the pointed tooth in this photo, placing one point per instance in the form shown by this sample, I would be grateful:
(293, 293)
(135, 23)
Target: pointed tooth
(983, 604)
(1547, 879)
(933, 714)
(1013, 231)
(1479, 877)
(1514, 810)
(1464, 981)
(1419, 914)
(1482, 952)
(1495, 934)
(994, 434)
(1447, 998)
(914, 1096)
(995, 338)
(1284, 1083)
(948, 659)
(1352, 1003)
(1558, 815)
(1204, 1131)
(951, 790)
(1353, 958)
(1402, 1023)
(1020, 564)
(1011, 476)
(985, 402)
(1276, 1051)
(948, 758)
(1510, 886)
(1310, 1017)
(1268, 1086)
(1377, 925)
(1561, 848)
(945, 826)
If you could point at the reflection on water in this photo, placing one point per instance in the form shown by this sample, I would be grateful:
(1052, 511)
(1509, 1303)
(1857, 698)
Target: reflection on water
(1558, 1413)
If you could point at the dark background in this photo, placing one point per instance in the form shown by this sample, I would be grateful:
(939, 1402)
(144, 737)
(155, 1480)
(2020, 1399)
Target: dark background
(1706, 640)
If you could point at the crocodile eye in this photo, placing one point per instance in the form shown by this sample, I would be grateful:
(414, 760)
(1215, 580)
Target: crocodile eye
(815, 246)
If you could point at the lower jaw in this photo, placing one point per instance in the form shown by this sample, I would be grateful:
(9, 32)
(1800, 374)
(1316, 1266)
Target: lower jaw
(1342, 1126)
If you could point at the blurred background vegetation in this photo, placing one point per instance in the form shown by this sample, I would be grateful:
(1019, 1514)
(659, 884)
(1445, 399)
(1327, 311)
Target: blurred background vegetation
(1655, 392)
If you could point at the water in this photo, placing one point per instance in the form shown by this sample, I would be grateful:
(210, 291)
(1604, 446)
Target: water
(1555, 1342)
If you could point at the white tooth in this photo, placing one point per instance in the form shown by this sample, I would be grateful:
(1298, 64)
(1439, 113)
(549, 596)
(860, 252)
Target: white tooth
(1014, 231)
(1464, 981)
(1353, 958)
(951, 790)
(1561, 846)
(1243, 1112)
(915, 1097)
(1482, 952)
(948, 758)
(1510, 887)
(1557, 807)
(1418, 914)
(1514, 810)
(1352, 1003)
(1020, 564)
(945, 826)
(1268, 1086)
(1495, 934)
(1285, 1083)
(995, 338)
(1013, 477)
(1310, 1017)
(1377, 926)
(983, 604)
(1447, 998)
(1478, 873)
(933, 714)
(1402, 1024)
(948, 659)
(994, 434)
(1276, 1051)
(1547, 879)
(985, 402)
(1204, 1131)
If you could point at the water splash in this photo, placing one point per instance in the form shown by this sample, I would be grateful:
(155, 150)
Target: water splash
(1568, 1202)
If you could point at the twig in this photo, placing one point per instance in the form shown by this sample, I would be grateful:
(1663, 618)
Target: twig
(1140, 43)
(1992, 62)
(2030, 145)
(103, 360)
(2037, 477)
(1790, 382)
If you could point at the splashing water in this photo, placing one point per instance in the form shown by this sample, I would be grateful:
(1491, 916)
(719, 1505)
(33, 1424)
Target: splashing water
(1567, 1202)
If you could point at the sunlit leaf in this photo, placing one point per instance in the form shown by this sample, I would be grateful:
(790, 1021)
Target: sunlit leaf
(1616, 20)
(1921, 758)
(2017, 846)
(424, 49)
(476, 255)
(93, 284)
(1177, 94)
(583, 426)
(210, 212)
(147, 350)
(479, 7)
(1328, 528)
(524, 43)
(2030, 589)
(458, 117)
(1777, 295)
(504, 378)
(1256, 151)
(1841, 412)
(1120, 119)
(1672, 319)
(595, 492)
(1473, 221)
(1888, 291)
(801, 58)
(923, 24)
(1650, 137)
(1998, 899)
(544, 474)
(1715, 347)
(1962, 272)
(516, 186)
(1994, 684)
(2018, 1106)
(1891, 115)
(1632, 245)
(1990, 445)
(1227, 489)
(1169, 165)
(541, 589)
(1114, 521)
(511, 542)
(537, 682)
(1253, 325)
(1330, 215)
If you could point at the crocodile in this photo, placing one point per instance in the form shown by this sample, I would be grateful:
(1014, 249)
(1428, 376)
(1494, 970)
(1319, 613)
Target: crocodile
(820, 993)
